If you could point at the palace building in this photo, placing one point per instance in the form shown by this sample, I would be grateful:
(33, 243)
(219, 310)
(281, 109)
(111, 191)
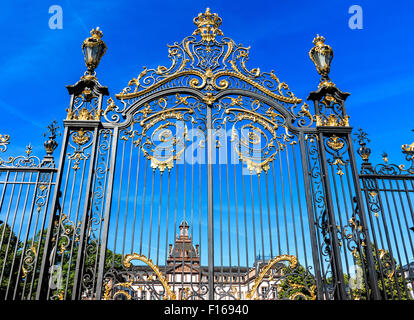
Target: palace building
(183, 277)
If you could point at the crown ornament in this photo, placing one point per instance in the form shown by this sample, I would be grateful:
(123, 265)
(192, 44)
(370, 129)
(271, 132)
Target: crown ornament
(96, 33)
(208, 25)
(318, 41)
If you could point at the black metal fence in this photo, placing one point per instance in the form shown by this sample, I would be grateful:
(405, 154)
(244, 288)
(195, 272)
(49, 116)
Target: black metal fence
(388, 197)
(26, 185)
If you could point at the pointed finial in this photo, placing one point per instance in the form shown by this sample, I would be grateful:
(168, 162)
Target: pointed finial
(408, 149)
(4, 141)
(363, 151)
(29, 149)
(385, 157)
(51, 144)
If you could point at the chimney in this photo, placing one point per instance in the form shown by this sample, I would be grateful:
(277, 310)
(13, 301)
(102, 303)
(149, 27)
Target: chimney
(170, 249)
(197, 249)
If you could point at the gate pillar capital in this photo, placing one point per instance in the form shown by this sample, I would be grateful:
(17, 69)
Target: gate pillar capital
(86, 99)
(329, 104)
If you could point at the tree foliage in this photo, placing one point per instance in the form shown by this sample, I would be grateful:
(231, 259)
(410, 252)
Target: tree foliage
(13, 253)
(297, 284)
(391, 280)
(8, 247)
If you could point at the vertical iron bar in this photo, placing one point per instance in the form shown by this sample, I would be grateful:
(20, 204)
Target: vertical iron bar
(44, 269)
(276, 208)
(107, 214)
(313, 215)
(40, 237)
(20, 229)
(119, 201)
(340, 221)
(261, 215)
(337, 265)
(284, 203)
(300, 206)
(365, 187)
(210, 218)
(291, 202)
(268, 217)
(368, 250)
(237, 228)
(159, 218)
(85, 220)
(151, 212)
(143, 205)
(127, 194)
(136, 196)
(387, 236)
(11, 233)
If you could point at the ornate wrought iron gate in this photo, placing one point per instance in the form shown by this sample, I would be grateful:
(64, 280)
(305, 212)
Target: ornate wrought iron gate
(205, 180)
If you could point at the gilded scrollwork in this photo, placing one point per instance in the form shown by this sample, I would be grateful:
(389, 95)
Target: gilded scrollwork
(288, 286)
(127, 263)
(28, 261)
(353, 233)
(323, 226)
(67, 230)
(95, 219)
(385, 168)
(337, 147)
(209, 65)
(330, 113)
(258, 132)
(85, 106)
(160, 129)
(292, 263)
(65, 236)
(28, 160)
(387, 263)
(80, 141)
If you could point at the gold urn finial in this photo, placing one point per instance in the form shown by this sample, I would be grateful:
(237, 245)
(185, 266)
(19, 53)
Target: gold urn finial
(208, 25)
(321, 55)
(93, 49)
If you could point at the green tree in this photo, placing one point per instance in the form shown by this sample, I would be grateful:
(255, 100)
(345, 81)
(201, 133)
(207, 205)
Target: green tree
(391, 281)
(297, 284)
(7, 255)
(65, 262)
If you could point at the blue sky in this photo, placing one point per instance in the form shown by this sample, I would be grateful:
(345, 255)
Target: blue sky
(373, 64)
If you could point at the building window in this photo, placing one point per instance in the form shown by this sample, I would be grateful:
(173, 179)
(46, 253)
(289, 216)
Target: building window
(274, 289)
(143, 295)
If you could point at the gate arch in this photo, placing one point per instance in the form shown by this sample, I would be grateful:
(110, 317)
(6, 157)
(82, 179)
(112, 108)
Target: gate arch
(223, 226)
(208, 94)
